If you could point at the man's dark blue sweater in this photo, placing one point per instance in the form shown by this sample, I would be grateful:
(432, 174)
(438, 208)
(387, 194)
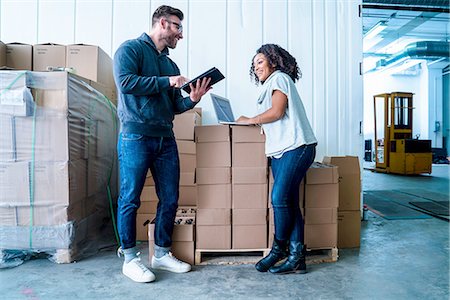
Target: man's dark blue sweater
(147, 102)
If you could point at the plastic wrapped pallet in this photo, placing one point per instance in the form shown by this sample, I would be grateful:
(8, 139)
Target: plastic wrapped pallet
(58, 166)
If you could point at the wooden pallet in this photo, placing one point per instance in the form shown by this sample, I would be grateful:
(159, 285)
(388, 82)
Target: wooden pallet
(229, 256)
(251, 256)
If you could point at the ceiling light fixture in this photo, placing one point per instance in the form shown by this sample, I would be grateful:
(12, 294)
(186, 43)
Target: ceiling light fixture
(375, 30)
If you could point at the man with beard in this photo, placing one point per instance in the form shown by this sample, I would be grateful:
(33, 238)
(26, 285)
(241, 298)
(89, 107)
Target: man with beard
(148, 83)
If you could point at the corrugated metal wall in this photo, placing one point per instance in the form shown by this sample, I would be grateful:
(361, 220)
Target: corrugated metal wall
(324, 35)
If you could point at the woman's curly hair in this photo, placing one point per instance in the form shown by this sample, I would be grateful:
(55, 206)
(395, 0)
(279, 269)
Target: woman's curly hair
(280, 59)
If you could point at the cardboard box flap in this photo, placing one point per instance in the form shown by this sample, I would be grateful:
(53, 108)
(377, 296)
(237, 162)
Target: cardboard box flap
(320, 173)
(347, 164)
(212, 133)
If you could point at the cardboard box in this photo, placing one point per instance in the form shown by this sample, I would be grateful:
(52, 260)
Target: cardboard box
(90, 62)
(321, 215)
(16, 98)
(321, 235)
(220, 216)
(213, 237)
(188, 195)
(249, 175)
(320, 173)
(249, 237)
(213, 146)
(249, 216)
(249, 196)
(187, 156)
(19, 56)
(2, 54)
(349, 229)
(214, 196)
(184, 124)
(248, 148)
(213, 176)
(48, 55)
(321, 195)
(142, 222)
(349, 181)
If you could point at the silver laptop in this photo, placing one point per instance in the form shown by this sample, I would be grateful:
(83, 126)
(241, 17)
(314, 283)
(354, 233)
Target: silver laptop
(223, 110)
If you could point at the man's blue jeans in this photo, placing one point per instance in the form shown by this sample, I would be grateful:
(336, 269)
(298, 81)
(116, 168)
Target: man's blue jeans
(288, 171)
(138, 153)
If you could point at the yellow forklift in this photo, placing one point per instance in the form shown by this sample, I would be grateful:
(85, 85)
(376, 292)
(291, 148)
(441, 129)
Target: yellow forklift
(395, 149)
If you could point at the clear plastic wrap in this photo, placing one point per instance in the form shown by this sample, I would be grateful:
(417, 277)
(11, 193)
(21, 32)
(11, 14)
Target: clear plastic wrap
(58, 167)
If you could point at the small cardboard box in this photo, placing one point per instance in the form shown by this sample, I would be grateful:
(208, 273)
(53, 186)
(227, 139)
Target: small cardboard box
(48, 55)
(214, 196)
(249, 196)
(248, 148)
(220, 216)
(213, 237)
(320, 173)
(19, 56)
(321, 235)
(184, 124)
(321, 215)
(213, 176)
(213, 146)
(187, 155)
(322, 195)
(349, 229)
(91, 62)
(249, 236)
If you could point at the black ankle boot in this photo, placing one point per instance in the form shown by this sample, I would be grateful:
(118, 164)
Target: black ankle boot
(277, 253)
(295, 263)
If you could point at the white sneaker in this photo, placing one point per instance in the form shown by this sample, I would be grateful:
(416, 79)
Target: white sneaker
(136, 271)
(170, 263)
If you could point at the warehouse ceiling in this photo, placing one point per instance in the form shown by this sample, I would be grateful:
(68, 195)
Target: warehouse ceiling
(391, 25)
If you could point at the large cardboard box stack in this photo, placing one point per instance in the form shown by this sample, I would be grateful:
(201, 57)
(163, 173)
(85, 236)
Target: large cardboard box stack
(321, 203)
(19, 56)
(57, 163)
(213, 187)
(183, 237)
(349, 212)
(249, 188)
(184, 125)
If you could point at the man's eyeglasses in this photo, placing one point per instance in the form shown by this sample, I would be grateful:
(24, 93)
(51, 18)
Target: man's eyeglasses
(178, 25)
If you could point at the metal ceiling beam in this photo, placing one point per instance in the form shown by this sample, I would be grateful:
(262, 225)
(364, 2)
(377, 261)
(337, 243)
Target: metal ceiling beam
(407, 8)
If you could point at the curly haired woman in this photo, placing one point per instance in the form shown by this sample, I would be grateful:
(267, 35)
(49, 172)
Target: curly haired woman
(291, 147)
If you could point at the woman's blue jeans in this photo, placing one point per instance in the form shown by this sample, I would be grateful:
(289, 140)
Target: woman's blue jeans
(288, 171)
(137, 154)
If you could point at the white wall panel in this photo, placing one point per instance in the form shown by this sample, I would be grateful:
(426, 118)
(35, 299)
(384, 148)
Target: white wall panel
(56, 21)
(244, 37)
(325, 36)
(207, 45)
(130, 19)
(275, 21)
(19, 21)
(93, 23)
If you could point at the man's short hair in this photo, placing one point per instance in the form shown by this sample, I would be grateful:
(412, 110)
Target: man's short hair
(166, 11)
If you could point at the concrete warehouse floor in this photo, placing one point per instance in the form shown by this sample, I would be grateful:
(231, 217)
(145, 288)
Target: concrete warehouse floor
(400, 259)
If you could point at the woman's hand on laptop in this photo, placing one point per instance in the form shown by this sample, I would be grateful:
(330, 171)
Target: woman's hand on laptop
(244, 120)
(200, 88)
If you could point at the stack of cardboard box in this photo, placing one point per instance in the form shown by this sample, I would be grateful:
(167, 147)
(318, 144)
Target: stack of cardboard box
(182, 237)
(349, 212)
(57, 163)
(214, 187)
(183, 128)
(88, 61)
(249, 188)
(321, 202)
